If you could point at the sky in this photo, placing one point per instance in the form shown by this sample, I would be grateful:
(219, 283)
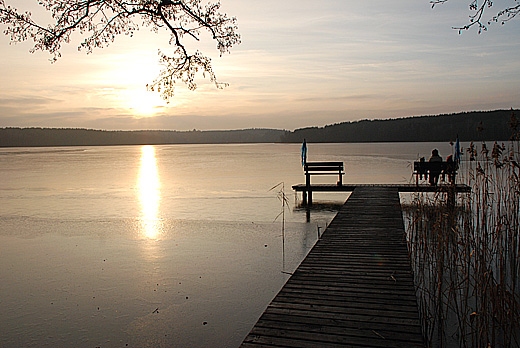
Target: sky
(300, 64)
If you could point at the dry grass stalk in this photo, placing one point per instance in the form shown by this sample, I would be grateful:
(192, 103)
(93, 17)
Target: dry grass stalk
(467, 258)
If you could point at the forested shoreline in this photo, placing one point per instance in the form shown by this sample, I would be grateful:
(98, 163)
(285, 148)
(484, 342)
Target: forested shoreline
(21, 137)
(469, 126)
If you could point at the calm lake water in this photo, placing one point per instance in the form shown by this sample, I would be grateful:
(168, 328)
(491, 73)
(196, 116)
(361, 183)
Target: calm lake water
(161, 246)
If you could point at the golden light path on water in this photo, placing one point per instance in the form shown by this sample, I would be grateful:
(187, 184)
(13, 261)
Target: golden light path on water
(149, 193)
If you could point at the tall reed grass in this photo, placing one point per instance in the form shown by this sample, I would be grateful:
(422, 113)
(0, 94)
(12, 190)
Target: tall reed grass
(466, 257)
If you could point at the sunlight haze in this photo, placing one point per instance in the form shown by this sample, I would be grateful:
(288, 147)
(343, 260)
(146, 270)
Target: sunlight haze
(300, 63)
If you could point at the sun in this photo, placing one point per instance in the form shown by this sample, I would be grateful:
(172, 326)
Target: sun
(144, 103)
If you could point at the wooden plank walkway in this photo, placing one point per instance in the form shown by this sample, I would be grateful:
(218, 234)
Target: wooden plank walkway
(355, 287)
(399, 187)
(308, 190)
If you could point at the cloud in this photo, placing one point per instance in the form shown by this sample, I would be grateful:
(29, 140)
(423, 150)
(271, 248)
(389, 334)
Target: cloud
(301, 63)
(27, 101)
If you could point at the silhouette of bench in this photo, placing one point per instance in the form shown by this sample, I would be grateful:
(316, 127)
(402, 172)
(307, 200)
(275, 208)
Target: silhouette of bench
(423, 170)
(321, 168)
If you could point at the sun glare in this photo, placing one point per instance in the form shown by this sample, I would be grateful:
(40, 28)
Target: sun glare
(149, 193)
(144, 103)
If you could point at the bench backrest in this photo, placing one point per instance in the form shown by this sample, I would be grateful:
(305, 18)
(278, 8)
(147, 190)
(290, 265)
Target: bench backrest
(323, 166)
(425, 167)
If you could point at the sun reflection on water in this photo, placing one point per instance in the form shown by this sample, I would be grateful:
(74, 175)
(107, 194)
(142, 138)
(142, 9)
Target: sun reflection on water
(149, 193)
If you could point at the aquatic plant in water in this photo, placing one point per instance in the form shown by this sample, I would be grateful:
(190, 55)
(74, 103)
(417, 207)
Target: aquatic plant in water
(466, 257)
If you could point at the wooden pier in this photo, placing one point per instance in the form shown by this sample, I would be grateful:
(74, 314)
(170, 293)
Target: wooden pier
(307, 190)
(355, 287)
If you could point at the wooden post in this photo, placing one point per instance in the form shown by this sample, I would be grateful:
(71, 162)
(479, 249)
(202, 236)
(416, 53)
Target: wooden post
(451, 197)
(308, 201)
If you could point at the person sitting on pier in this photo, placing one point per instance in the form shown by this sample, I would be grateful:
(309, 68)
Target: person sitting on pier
(434, 174)
(451, 169)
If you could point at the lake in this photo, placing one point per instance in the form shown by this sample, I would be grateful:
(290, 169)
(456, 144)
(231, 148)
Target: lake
(161, 246)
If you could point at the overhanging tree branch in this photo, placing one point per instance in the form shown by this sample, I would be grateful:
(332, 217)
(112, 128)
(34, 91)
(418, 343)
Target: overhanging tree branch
(476, 18)
(101, 21)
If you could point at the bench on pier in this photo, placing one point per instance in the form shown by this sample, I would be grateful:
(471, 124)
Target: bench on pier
(425, 170)
(321, 168)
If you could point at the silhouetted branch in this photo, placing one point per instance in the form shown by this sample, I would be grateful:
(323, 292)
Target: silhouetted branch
(101, 21)
(478, 10)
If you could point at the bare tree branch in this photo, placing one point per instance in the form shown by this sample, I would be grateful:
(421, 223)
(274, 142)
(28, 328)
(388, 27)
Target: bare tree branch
(477, 14)
(101, 21)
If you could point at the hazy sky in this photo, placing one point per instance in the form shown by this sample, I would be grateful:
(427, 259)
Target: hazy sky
(301, 63)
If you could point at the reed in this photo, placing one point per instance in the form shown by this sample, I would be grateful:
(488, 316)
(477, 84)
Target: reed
(282, 197)
(466, 258)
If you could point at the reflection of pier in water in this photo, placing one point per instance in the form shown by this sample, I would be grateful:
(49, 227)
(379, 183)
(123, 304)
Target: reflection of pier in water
(355, 287)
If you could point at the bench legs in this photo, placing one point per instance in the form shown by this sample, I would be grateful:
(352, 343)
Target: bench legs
(307, 194)
(307, 197)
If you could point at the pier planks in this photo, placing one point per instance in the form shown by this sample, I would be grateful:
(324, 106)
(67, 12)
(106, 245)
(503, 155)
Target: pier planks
(355, 287)
(459, 188)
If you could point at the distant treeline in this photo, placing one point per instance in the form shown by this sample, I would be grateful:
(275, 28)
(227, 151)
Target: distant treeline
(469, 126)
(19, 137)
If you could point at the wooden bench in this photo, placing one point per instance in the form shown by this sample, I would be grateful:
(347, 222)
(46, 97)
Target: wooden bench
(424, 170)
(321, 168)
